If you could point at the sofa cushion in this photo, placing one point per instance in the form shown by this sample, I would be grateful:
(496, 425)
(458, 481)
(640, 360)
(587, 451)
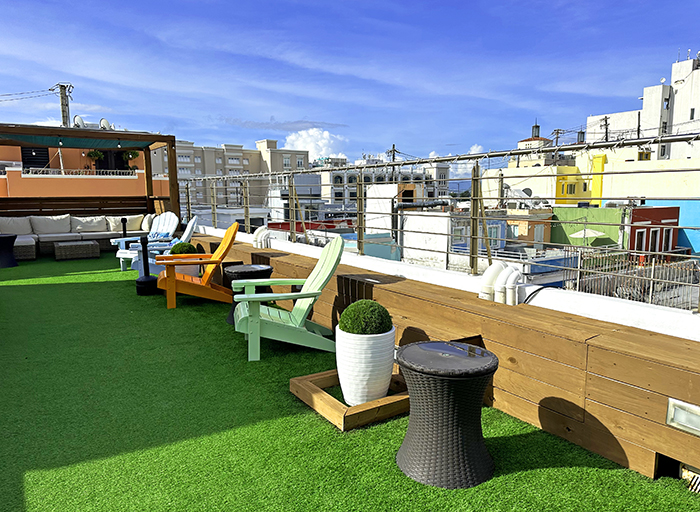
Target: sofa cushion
(47, 224)
(147, 221)
(133, 222)
(15, 226)
(59, 237)
(83, 224)
(22, 240)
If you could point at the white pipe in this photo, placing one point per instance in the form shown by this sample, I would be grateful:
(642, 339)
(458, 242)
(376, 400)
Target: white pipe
(488, 279)
(499, 286)
(259, 237)
(512, 288)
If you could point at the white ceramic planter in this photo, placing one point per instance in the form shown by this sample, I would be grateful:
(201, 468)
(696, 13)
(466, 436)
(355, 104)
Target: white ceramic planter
(365, 362)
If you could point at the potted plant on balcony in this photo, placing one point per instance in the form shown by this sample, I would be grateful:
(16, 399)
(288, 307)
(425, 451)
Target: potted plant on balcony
(95, 155)
(364, 344)
(185, 248)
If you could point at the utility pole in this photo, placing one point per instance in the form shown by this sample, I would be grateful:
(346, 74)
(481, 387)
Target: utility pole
(64, 91)
(557, 132)
(604, 124)
(393, 158)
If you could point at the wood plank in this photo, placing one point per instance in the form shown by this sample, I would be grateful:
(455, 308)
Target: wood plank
(665, 380)
(660, 348)
(319, 401)
(626, 397)
(376, 410)
(552, 372)
(536, 342)
(554, 398)
(621, 451)
(664, 439)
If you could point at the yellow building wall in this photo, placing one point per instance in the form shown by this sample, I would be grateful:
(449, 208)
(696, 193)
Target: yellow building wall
(570, 185)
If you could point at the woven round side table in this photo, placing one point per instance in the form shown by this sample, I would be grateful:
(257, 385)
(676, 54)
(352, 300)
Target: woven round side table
(444, 445)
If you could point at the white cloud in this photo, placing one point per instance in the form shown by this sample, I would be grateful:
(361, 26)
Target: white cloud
(464, 169)
(317, 142)
(49, 121)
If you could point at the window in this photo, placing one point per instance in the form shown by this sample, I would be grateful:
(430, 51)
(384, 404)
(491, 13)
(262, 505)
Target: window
(183, 158)
(493, 234)
(654, 240)
(668, 240)
(571, 189)
(585, 186)
(337, 179)
(562, 188)
(182, 170)
(644, 155)
(662, 151)
(300, 162)
(200, 195)
(666, 103)
(218, 159)
(367, 179)
(245, 161)
(165, 156)
(199, 183)
(352, 179)
(640, 239)
(198, 159)
(458, 235)
(198, 171)
(338, 195)
(380, 178)
(219, 172)
(233, 173)
(286, 161)
(219, 183)
(692, 114)
(513, 230)
(353, 194)
(664, 127)
(234, 160)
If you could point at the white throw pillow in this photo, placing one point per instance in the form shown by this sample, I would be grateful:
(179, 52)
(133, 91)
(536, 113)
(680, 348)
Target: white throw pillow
(86, 224)
(15, 226)
(147, 221)
(133, 222)
(49, 224)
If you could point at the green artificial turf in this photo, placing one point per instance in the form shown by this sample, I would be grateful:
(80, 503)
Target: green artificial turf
(109, 401)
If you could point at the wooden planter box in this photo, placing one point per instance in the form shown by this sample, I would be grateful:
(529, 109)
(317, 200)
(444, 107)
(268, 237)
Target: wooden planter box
(310, 389)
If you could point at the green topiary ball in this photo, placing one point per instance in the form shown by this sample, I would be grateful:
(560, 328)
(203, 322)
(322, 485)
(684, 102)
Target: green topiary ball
(365, 317)
(183, 248)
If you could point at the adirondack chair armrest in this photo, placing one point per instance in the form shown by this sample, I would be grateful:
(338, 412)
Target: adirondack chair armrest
(264, 297)
(170, 263)
(152, 246)
(240, 284)
(163, 258)
(121, 242)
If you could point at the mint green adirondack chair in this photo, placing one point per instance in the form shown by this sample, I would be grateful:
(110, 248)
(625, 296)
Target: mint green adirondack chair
(256, 321)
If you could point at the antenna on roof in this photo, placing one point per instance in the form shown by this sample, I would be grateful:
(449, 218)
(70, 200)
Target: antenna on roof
(104, 124)
(78, 122)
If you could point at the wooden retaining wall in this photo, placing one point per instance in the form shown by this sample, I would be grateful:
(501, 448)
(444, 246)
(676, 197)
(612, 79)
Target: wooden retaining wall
(600, 385)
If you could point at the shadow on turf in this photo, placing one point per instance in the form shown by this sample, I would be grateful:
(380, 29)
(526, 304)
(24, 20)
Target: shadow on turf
(82, 383)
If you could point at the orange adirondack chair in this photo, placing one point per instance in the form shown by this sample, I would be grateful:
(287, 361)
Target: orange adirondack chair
(174, 283)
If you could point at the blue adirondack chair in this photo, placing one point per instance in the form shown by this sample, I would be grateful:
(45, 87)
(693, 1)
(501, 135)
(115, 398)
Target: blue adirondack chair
(256, 321)
(162, 229)
(156, 248)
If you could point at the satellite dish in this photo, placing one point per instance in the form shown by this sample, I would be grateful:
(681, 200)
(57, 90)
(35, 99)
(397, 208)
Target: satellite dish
(104, 124)
(663, 80)
(111, 127)
(528, 192)
(78, 122)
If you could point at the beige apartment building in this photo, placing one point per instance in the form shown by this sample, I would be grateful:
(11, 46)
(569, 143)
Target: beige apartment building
(215, 173)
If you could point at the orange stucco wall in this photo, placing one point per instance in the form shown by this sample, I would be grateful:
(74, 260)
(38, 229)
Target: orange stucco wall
(72, 158)
(14, 184)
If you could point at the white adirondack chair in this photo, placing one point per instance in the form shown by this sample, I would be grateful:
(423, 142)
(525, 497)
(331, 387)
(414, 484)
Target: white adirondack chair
(156, 248)
(162, 229)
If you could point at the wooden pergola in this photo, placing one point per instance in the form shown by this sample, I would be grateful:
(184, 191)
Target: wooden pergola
(85, 138)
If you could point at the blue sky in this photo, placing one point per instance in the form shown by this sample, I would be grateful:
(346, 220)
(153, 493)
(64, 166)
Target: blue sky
(340, 77)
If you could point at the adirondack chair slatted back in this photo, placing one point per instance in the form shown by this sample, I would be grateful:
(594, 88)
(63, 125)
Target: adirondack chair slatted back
(189, 230)
(165, 223)
(318, 279)
(220, 253)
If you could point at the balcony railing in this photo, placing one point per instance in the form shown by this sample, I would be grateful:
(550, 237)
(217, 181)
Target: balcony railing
(32, 171)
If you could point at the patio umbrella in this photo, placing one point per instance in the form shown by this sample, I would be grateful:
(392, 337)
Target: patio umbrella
(587, 233)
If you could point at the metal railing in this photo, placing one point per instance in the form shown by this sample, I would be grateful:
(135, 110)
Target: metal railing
(33, 171)
(558, 236)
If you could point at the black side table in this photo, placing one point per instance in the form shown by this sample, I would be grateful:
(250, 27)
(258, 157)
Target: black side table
(236, 272)
(7, 251)
(444, 445)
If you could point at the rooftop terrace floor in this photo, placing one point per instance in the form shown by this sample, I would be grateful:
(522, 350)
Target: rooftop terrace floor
(112, 402)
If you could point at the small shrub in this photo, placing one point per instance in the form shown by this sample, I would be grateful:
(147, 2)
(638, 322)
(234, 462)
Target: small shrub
(365, 317)
(183, 248)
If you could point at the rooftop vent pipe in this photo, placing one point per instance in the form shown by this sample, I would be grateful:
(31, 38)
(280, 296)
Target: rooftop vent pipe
(489, 278)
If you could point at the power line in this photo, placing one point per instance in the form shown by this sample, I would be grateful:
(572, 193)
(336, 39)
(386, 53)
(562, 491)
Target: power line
(24, 93)
(29, 97)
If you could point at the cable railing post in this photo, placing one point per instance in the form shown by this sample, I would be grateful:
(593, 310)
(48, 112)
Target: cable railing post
(292, 210)
(474, 222)
(246, 205)
(360, 214)
(213, 203)
(651, 280)
(188, 202)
